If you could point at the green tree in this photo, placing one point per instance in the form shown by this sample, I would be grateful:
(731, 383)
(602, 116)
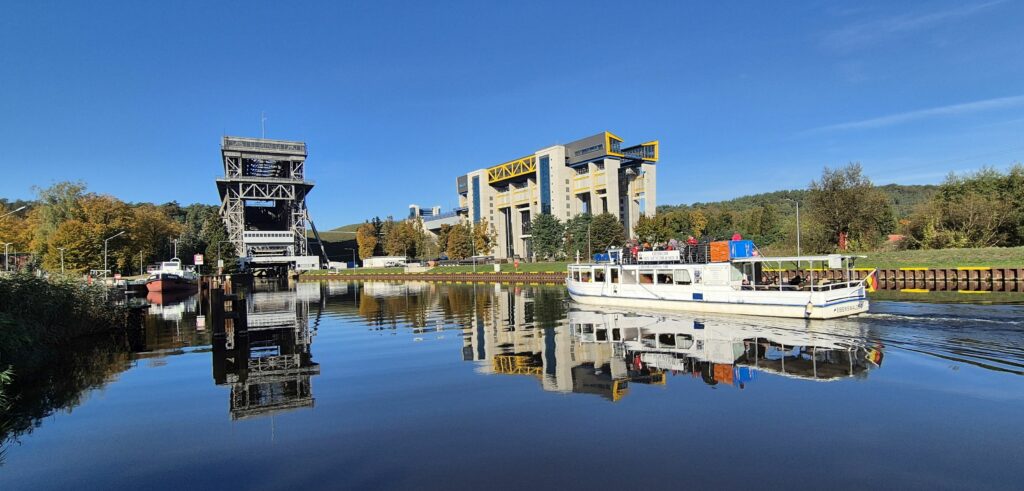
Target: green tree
(653, 228)
(844, 201)
(577, 235)
(55, 205)
(547, 234)
(606, 232)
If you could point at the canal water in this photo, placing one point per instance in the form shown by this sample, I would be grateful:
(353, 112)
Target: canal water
(427, 386)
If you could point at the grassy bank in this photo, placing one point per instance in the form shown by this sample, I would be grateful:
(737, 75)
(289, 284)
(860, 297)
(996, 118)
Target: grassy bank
(996, 257)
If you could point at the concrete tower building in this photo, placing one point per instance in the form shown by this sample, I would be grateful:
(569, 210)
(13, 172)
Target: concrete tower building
(592, 175)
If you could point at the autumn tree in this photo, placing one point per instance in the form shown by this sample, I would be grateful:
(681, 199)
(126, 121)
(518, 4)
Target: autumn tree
(366, 240)
(484, 237)
(459, 244)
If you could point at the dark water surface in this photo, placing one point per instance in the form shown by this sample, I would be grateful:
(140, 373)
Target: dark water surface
(429, 386)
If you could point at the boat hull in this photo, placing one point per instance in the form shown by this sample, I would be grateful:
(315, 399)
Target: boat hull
(832, 310)
(169, 285)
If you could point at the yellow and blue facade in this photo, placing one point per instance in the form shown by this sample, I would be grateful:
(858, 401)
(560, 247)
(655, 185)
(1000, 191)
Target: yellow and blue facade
(596, 174)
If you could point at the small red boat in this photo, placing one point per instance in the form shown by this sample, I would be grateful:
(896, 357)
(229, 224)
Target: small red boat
(171, 277)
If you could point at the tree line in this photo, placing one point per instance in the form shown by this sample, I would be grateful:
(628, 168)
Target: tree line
(842, 210)
(67, 216)
(409, 238)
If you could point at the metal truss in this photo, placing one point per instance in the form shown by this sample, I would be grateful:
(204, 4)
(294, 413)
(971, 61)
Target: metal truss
(511, 169)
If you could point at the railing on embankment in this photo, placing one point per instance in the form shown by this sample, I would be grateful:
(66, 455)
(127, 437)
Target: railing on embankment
(965, 279)
(973, 279)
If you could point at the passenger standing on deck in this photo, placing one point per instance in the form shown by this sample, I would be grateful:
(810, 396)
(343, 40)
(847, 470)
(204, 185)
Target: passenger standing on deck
(737, 236)
(691, 249)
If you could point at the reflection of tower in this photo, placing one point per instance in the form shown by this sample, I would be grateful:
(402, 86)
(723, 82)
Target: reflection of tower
(267, 361)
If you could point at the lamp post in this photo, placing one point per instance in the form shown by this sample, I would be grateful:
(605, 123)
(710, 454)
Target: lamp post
(353, 255)
(12, 212)
(61, 249)
(105, 270)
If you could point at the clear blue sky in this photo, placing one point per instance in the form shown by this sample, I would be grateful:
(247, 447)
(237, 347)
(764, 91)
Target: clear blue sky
(395, 99)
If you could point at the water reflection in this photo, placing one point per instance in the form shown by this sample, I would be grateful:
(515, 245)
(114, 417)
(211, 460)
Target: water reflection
(265, 355)
(602, 352)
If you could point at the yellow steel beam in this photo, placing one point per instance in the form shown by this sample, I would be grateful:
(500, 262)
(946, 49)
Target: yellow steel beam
(511, 169)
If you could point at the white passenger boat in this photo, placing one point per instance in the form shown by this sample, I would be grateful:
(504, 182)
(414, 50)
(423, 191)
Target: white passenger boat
(753, 285)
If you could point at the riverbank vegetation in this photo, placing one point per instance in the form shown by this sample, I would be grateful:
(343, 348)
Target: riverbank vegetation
(65, 226)
(46, 322)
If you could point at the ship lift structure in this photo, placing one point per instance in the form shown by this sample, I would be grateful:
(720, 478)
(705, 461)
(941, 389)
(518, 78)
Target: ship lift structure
(263, 204)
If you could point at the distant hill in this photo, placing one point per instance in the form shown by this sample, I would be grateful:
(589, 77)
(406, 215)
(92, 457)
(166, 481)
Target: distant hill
(904, 199)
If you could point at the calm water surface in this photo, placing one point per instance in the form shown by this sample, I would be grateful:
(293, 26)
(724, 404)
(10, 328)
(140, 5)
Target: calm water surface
(420, 386)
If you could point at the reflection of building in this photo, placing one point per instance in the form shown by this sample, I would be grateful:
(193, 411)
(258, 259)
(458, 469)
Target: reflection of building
(266, 357)
(603, 353)
(592, 175)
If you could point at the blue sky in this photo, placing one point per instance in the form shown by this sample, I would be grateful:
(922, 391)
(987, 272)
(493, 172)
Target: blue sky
(395, 99)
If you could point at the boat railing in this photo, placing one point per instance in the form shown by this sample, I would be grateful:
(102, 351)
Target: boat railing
(829, 286)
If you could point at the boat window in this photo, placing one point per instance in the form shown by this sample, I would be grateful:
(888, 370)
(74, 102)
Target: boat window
(668, 340)
(585, 276)
(683, 277)
(576, 275)
(684, 341)
(629, 277)
(587, 329)
(602, 334)
(665, 278)
(646, 277)
(615, 275)
(616, 334)
(599, 275)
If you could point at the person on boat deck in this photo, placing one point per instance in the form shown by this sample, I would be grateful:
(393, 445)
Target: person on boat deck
(796, 280)
(737, 236)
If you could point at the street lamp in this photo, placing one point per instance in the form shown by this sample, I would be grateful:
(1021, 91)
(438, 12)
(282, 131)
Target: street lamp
(61, 249)
(105, 270)
(6, 245)
(13, 212)
(218, 250)
(353, 255)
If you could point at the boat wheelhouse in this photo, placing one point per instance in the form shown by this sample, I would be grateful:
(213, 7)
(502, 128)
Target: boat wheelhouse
(811, 287)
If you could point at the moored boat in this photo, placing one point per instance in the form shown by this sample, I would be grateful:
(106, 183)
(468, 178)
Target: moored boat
(748, 285)
(171, 276)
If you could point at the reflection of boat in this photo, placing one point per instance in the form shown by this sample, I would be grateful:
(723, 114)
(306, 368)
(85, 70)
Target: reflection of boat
(728, 350)
(171, 276)
(745, 285)
(168, 297)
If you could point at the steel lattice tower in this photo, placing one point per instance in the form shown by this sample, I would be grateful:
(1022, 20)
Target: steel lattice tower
(263, 199)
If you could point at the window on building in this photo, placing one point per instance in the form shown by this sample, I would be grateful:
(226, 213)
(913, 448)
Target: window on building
(598, 165)
(582, 170)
